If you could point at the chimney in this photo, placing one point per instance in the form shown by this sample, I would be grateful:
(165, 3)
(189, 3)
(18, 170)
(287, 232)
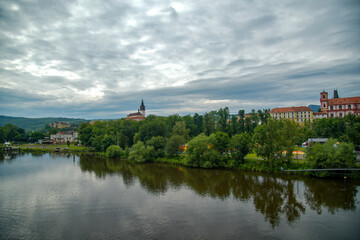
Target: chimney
(336, 95)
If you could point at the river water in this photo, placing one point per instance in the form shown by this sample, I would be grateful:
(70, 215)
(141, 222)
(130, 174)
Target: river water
(54, 196)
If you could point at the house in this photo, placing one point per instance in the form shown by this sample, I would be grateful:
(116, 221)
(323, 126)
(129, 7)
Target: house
(60, 125)
(297, 114)
(63, 137)
(338, 107)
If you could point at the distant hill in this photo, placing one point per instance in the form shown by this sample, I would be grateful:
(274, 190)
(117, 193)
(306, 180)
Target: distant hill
(36, 124)
(315, 108)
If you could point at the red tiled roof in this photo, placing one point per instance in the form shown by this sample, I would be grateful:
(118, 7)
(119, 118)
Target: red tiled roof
(290, 109)
(320, 113)
(135, 114)
(337, 101)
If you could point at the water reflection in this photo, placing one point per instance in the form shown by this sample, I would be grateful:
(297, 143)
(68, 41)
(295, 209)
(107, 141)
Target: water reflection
(276, 198)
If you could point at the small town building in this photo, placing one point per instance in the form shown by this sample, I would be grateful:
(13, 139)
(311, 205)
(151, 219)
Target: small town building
(297, 114)
(139, 115)
(63, 137)
(319, 115)
(60, 125)
(338, 107)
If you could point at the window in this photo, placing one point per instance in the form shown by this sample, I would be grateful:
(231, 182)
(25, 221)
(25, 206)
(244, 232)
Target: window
(331, 115)
(340, 115)
(331, 108)
(340, 107)
(349, 106)
(324, 105)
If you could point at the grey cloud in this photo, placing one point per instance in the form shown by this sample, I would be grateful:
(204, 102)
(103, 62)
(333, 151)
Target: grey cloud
(246, 54)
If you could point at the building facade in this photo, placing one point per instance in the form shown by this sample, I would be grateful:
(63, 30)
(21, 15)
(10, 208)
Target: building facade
(339, 107)
(60, 125)
(63, 137)
(297, 114)
(139, 115)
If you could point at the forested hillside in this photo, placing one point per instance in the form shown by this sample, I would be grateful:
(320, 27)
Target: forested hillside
(36, 124)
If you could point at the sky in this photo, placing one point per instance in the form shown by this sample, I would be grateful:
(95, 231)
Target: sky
(98, 59)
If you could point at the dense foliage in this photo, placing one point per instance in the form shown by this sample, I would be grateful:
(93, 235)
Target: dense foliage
(214, 139)
(331, 154)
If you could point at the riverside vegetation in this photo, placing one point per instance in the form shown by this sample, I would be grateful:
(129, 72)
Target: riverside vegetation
(218, 140)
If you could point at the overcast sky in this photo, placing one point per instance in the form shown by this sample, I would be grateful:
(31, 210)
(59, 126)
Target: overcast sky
(98, 59)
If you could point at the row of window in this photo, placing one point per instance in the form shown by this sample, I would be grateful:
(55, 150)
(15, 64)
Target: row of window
(341, 107)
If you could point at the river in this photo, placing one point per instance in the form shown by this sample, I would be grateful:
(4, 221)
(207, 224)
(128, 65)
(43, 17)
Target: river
(64, 196)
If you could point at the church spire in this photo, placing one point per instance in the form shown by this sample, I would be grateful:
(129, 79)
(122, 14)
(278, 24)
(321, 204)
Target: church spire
(142, 107)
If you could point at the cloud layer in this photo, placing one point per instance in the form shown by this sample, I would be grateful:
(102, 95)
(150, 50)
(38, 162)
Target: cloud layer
(98, 59)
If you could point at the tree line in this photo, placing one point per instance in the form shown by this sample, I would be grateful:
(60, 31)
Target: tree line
(218, 139)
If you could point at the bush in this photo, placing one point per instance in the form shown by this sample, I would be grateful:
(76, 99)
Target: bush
(114, 151)
(331, 155)
(141, 153)
(201, 154)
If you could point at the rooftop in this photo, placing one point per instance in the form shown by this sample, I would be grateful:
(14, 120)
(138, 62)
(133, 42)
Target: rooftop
(290, 109)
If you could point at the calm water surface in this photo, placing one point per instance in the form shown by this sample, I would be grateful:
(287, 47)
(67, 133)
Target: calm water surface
(83, 197)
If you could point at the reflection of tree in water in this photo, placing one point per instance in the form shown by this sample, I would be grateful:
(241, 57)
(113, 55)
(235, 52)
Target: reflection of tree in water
(90, 163)
(214, 183)
(268, 198)
(274, 197)
(291, 207)
(330, 194)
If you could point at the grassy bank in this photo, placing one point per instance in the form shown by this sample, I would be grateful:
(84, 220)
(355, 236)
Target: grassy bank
(52, 148)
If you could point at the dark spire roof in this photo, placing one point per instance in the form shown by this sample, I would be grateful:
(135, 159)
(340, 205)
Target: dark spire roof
(142, 106)
(336, 95)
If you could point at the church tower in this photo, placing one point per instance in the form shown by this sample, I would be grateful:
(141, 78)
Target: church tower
(324, 101)
(142, 108)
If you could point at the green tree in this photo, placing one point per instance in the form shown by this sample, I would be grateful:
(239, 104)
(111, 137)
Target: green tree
(201, 154)
(196, 150)
(241, 116)
(198, 121)
(85, 134)
(240, 145)
(269, 141)
(209, 123)
(173, 145)
(153, 128)
(158, 143)
(223, 117)
(180, 130)
(220, 140)
(36, 136)
(291, 134)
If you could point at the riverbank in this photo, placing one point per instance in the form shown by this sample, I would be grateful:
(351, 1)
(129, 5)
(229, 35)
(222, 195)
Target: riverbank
(38, 148)
(252, 162)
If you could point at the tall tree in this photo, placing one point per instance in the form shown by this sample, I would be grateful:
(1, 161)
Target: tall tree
(209, 123)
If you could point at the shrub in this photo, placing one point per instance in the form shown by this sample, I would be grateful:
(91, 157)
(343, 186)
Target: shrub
(331, 155)
(114, 151)
(141, 153)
